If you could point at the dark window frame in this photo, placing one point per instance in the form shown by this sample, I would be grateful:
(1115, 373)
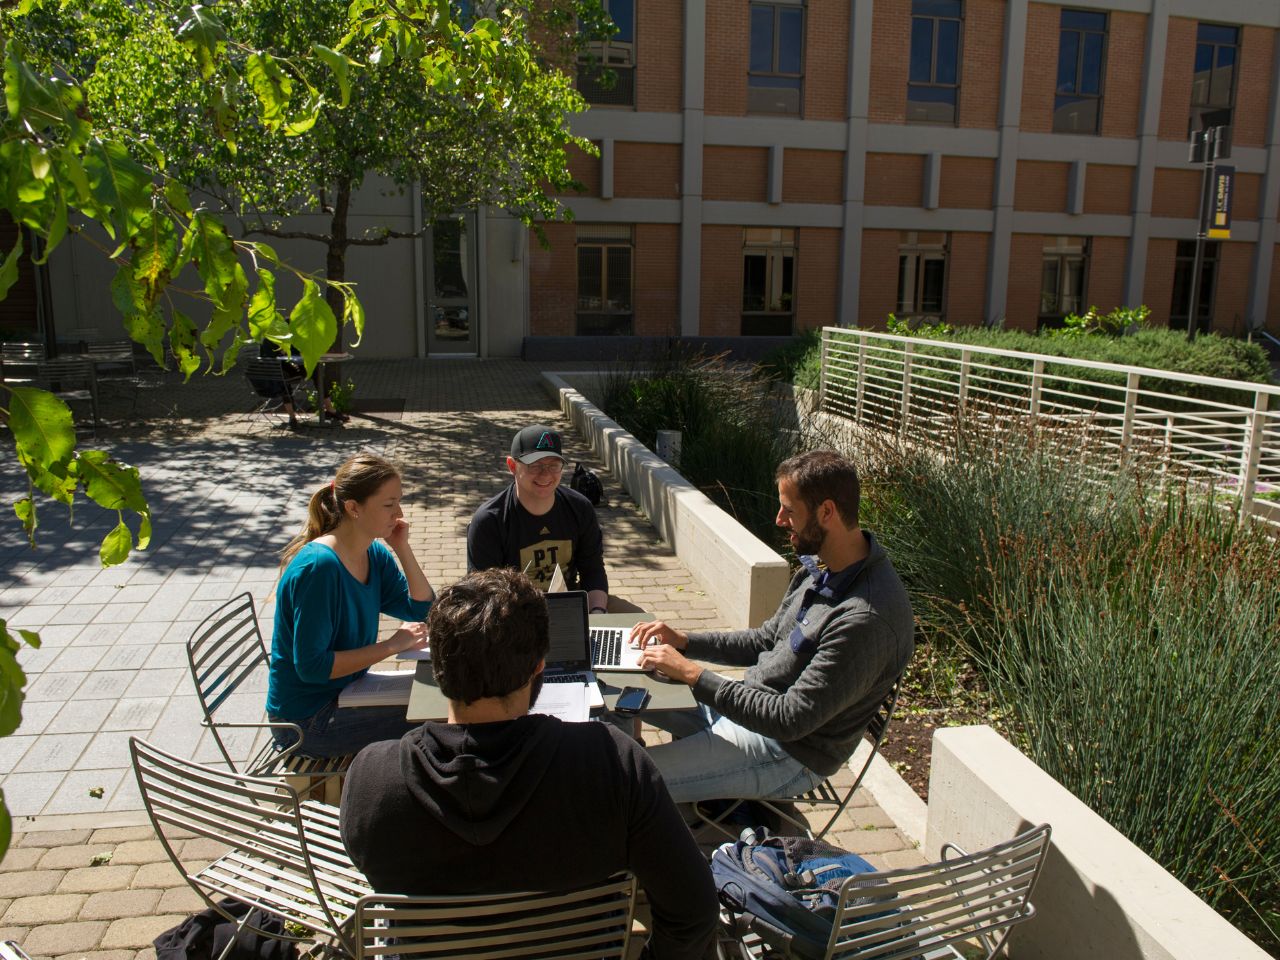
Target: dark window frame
(771, 321)
(1209, 105)
(933, 83)
(1073, 96)
(915, 254)
(1062, 252)
(605, 320)
(777, 6)
(612, 56)
(1183, 265)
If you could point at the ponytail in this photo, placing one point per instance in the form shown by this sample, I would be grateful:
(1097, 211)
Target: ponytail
(358, 479)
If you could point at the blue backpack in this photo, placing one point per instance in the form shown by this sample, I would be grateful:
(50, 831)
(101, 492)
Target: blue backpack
(784, 889)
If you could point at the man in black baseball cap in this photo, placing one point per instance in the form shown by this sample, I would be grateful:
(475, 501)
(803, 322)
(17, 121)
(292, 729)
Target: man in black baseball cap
(536, 524)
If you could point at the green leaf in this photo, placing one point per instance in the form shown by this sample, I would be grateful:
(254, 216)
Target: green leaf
(109, 483)
(36, 101)
(233, 350)
(56, 482)
(9, 269)
(353, 313)
(144, 532)
(43, 431)
(116, 545)
(205, 36)
(74, 173)
(155, 249)
(12, 680)
(26, 512)
(120, 185)
(340, 65)
(182, 340)
(271, 85)
(263, 316)
(305, 120)
(176, 194)
(215, 257)
(56, 231)
(313, 324)
(6, 826)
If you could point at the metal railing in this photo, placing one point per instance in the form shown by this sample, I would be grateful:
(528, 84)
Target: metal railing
(1221, 433)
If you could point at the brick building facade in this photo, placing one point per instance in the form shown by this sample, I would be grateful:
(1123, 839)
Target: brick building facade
(768, 166)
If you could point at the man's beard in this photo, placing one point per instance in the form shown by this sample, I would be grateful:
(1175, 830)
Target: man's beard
(809, 540)
(535, 688)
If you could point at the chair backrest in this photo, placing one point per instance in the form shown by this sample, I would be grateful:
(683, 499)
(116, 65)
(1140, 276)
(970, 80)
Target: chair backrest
(591, 922)
(23, 350)
(224, 652)
(899, 914)
(67, 370)
(110, 348)
(269, 864)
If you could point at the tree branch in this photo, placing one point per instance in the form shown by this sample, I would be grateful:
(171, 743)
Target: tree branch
(383, 237)
(287, 234)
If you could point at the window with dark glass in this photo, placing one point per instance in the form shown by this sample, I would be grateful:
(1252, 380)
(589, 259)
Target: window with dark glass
(607, 73)
(1183, 267)
(1082, 56)
(1213, 84)
(933, 81)
(775, 71)
(922, 276)
(604, 279)
(1062, 278)
(768, 281)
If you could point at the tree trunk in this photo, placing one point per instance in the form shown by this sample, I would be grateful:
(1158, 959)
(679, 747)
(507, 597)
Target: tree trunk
(335, 266)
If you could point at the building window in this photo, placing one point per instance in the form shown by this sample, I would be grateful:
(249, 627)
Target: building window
(1183, 267)
(1062, 278)
(922, 276)
(768, 282)
(1082, 53)
(934, 78)
(607, 74)
(1213, 85)
(776, 71)
(604, 280)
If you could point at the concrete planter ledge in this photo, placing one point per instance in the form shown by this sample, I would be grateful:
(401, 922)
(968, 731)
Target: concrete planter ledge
(740, 574)
(1099, 895)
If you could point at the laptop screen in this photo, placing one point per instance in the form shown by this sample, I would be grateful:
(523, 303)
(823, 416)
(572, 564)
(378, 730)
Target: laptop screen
(567, 624)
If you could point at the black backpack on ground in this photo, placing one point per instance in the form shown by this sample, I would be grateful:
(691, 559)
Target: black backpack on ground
(205, 935)
(585, 482)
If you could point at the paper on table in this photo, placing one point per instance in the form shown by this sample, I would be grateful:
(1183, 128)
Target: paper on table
(378, 690)
(423, 654)
(568, 701)
(557, 584)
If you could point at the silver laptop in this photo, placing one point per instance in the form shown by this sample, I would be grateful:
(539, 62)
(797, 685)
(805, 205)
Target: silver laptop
(611, 649)
(569, 657)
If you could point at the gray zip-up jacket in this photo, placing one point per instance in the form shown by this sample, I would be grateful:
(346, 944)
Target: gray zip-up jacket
(816, 694)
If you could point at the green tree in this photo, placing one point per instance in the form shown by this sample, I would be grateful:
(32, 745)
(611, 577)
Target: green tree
(115, 111)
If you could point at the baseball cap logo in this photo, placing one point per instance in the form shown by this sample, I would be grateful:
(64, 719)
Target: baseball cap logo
(546, 441)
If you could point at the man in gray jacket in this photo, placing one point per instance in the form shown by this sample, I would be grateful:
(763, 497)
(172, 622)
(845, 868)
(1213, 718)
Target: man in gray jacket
(816, 670)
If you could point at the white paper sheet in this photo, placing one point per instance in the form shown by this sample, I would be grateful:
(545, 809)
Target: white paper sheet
(568, 701)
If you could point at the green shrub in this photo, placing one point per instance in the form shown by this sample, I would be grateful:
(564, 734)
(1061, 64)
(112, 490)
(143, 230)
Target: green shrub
(798, 363)
(1131, 632)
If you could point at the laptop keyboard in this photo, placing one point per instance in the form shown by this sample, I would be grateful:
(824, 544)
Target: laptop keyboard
(606, 646)
(564, 678)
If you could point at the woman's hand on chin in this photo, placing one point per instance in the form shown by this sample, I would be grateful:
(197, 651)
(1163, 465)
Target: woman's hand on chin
(398, 538)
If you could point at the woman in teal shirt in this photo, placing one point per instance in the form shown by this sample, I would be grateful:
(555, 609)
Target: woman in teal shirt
(339, 576)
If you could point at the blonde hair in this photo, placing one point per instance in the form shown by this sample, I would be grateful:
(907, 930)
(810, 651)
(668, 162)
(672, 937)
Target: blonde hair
(358, 479)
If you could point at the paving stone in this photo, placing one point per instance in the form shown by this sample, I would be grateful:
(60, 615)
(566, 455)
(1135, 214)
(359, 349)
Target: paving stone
(59, 938)
(30, 883)
(54, 908)
(20, 858)
(14, 933)
(51, 838)
(138, 931)
(101, 955)
(896, 859)
(79, 854)
(121, 834)
(180, 900)
(202, 849)
(870, 841)
(158, 875)
(96, 879)
(140, 852)
(120, 903)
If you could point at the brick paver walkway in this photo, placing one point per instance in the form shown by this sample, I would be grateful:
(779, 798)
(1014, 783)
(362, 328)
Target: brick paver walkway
(85, 876)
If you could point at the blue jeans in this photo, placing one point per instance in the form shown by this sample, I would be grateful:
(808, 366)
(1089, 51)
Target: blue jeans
(717, 758)
(331, 732)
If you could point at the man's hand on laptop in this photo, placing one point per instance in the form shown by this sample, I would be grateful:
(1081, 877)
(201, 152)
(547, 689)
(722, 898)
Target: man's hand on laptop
(670, 662)
(655, 632)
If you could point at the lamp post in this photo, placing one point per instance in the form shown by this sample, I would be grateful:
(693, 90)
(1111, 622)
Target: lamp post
(1213, 221)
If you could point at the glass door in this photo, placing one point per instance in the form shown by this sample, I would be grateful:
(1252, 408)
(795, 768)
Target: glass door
(451, 286)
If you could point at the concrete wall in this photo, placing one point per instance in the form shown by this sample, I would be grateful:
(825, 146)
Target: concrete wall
(740, 574)
(1099, 895)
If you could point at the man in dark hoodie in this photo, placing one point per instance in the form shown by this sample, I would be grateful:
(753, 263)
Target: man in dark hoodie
(501, 800)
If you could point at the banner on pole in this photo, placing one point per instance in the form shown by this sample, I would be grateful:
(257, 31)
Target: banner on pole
(1223, 186)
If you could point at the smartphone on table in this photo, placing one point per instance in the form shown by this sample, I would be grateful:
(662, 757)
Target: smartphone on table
(632, 700)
